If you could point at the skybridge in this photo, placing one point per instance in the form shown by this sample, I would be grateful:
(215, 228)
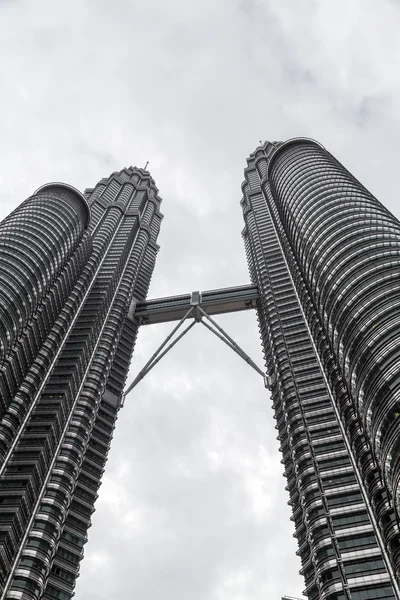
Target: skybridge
(213, 302)
(190, 309)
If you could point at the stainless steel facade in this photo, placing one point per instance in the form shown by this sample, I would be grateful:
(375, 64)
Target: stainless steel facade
(324, 258)
(67, 280)
(324, 254)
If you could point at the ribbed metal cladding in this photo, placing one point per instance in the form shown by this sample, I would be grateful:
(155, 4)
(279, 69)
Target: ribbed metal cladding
(348, 249)
(36, 241)
(346, 528)
(57, 429)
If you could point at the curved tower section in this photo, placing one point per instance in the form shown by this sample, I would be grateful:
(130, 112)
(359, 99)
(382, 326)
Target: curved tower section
(347, 246)
(345, 524)
(36, 241)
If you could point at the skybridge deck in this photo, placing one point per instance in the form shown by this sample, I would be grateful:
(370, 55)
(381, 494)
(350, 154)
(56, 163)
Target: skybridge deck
(213, 302)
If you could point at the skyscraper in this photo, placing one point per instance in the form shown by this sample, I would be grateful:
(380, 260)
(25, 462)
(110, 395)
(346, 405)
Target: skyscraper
(325, 255)
(68, 281)
(324, 261)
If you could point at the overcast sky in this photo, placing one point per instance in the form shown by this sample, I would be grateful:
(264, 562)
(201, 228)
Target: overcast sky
(193, 505)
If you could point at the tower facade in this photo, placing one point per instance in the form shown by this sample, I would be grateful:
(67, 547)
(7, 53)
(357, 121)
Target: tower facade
(325, 255)
(72, 266)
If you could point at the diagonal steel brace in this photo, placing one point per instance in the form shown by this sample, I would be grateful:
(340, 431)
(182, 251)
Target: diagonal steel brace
(156, 357)
(222, 335)
(197, 313)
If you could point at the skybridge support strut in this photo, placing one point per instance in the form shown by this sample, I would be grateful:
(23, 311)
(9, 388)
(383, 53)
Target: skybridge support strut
(158, 355)
(195, 306)
(222, 335)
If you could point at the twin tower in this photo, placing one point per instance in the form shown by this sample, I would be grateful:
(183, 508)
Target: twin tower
(324, 261)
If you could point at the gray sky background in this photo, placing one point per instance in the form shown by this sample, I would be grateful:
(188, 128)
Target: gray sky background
(193, 504)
